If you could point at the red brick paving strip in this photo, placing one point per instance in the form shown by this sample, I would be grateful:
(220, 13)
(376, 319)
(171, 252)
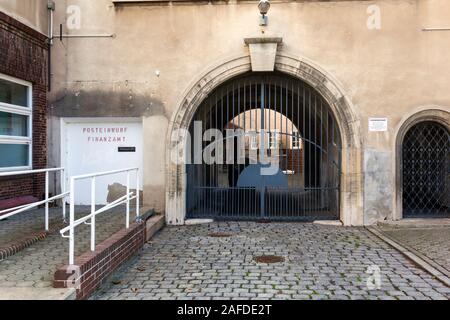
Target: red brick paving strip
(15, 247)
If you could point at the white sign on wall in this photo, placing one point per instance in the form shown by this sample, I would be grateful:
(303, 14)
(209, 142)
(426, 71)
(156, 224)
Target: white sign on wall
(378, 124)
(99, 147)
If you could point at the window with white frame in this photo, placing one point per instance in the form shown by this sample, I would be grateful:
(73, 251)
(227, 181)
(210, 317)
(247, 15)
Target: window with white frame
(296, 140)
(274, 140)
(253, 135)
(15, 124)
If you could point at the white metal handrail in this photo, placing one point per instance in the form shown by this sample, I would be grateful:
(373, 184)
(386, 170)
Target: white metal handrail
(127, 198)
(4, 214)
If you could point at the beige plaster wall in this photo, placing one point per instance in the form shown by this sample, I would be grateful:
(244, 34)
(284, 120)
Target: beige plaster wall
(159, 51)
(33, 13)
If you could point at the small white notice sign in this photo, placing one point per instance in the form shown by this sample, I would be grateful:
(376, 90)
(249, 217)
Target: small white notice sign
(378, 124)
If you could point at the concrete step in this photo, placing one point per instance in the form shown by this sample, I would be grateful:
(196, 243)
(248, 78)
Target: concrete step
(37, 294)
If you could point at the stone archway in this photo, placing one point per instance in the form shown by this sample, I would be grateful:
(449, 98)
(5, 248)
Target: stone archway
(351, 202)
(431, 114)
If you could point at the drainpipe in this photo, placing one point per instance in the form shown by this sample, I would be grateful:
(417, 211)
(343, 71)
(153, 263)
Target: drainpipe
(51, 9)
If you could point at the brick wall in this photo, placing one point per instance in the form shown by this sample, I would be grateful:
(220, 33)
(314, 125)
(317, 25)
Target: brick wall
(94, 267)
(295, 160)
(23, 55)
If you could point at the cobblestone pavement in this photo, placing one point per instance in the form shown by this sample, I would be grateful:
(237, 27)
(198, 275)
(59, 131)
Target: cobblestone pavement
(322, 262)
(432, 242)
(35, 265)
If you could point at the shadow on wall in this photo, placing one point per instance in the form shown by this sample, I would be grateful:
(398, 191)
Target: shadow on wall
(105, 103)
(117, 190)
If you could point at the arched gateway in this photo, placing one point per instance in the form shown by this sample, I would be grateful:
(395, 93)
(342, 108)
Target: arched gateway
(276, 148)
(297, 115)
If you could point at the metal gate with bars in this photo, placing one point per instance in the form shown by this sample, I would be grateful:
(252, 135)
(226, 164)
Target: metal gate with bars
(426, 171)
(272, 118)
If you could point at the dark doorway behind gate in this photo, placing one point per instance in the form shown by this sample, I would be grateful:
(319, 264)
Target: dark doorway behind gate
(272, 117)
(426, 171)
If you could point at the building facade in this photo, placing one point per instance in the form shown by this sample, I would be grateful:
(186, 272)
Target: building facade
(363, 86)
(23, 95)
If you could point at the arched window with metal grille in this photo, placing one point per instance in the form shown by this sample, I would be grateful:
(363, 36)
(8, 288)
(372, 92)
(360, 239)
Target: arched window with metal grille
(426, 171)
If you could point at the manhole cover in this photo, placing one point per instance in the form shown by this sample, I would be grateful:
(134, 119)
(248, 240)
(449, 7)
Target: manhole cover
(269, 259)
(220, 235)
